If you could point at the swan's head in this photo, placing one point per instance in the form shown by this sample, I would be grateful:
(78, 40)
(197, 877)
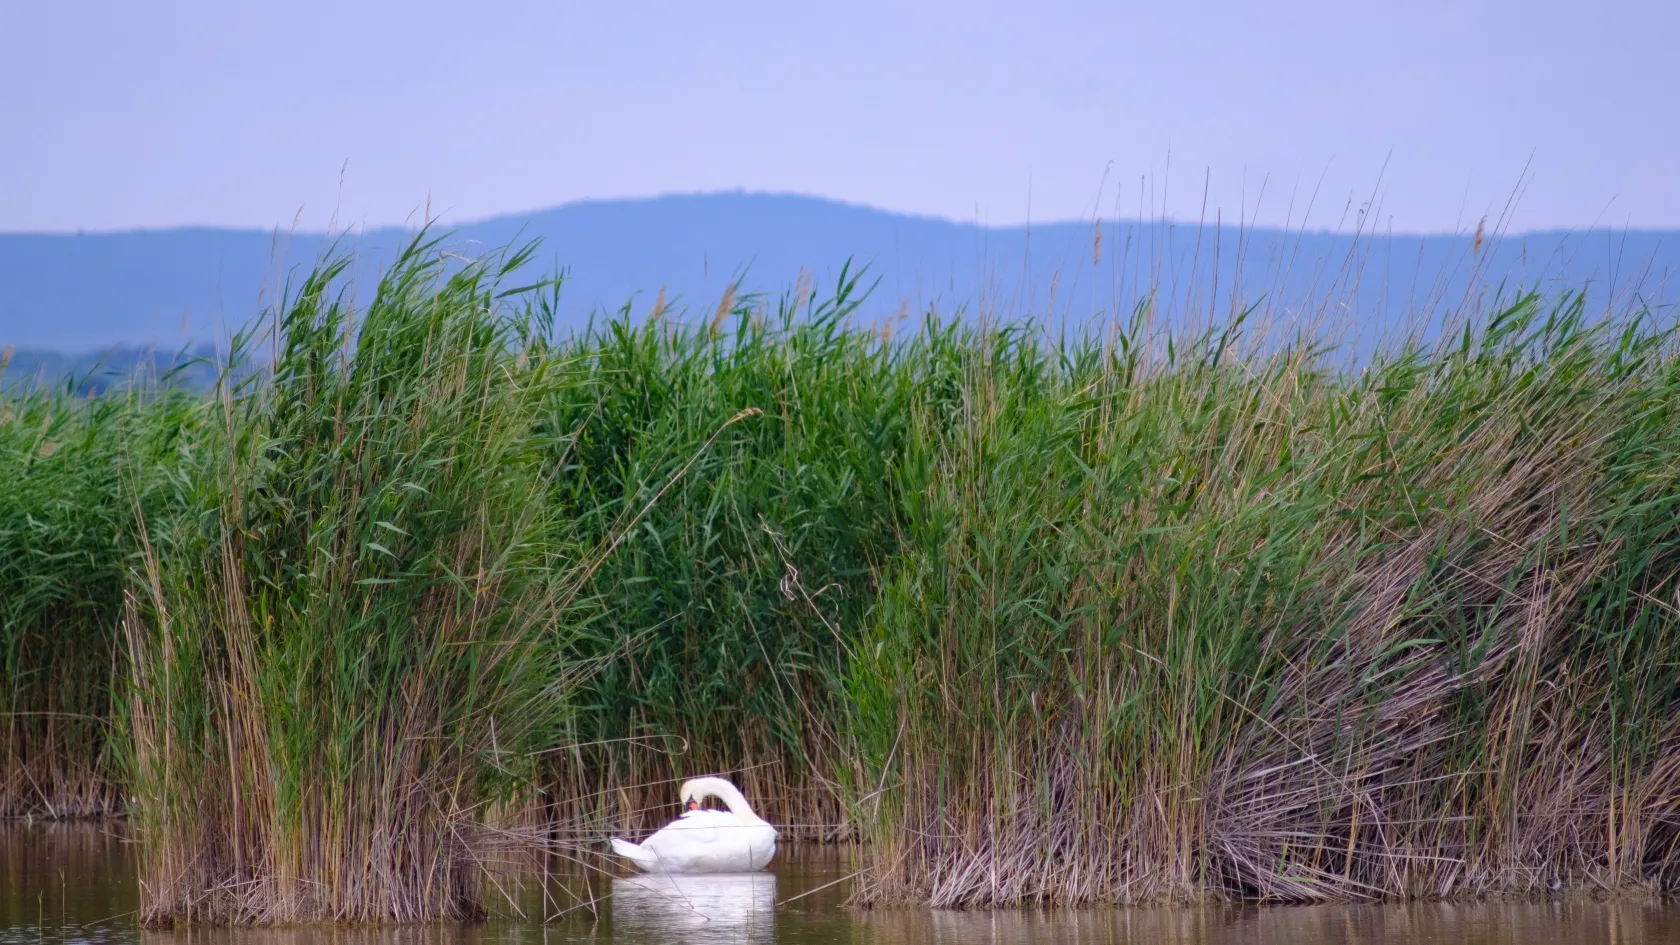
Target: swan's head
(694, 791)
(691, 794)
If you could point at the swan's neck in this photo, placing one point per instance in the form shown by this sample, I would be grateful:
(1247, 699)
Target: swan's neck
(731, 798)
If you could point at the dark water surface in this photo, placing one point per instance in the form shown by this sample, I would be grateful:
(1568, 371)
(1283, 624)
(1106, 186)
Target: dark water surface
(75, 885)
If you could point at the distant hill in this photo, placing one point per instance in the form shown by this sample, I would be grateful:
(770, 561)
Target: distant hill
(114, 367)
(83, 293)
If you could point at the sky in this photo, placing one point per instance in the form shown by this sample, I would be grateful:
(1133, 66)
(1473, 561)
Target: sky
(1422, 116)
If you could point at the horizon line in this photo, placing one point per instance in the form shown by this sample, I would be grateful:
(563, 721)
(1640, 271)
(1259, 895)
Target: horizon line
(741, 192)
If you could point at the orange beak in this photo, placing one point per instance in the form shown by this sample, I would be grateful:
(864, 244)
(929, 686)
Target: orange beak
(693, 805)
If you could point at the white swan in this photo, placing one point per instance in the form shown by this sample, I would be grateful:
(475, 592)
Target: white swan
(706, 841)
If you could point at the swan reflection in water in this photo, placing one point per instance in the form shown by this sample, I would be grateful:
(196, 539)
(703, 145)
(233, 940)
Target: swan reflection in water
(695, 907)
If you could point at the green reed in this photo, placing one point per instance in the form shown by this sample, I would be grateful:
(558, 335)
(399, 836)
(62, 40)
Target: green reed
(344, 654)
(1125, 617)
(728, 612)
(1177, 619)
(74, 471)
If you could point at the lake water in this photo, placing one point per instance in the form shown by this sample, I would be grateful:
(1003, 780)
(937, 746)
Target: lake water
(75, 885)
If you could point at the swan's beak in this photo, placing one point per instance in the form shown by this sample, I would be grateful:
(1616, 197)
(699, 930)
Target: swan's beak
(692, 805)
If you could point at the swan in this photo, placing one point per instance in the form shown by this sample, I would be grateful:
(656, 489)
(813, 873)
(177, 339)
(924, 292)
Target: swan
(705, 841)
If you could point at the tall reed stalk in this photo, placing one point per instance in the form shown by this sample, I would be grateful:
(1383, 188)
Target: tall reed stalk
(347, 650)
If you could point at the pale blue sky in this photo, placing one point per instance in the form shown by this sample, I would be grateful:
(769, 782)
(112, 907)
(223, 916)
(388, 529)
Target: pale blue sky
(127, 114)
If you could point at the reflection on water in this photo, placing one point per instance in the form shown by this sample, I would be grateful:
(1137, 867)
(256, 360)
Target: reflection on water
(76, 886)
(1548, 923)
(718, 908)
(65, 884)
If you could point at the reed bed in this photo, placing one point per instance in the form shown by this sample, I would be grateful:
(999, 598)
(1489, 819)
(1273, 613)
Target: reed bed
(728, 613)
(1134, 616)
(74, 471)
(1175, 620)
(345, 651)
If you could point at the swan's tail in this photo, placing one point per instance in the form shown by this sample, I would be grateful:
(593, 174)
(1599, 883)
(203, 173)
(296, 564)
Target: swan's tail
(638, 855)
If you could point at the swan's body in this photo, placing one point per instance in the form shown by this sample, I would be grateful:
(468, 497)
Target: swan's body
(706, 841)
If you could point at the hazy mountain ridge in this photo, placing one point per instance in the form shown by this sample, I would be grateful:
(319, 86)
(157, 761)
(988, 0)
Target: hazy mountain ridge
(115, 367)
(174, 288)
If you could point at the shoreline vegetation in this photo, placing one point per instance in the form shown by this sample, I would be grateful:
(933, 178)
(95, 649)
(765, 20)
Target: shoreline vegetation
(1126, 616)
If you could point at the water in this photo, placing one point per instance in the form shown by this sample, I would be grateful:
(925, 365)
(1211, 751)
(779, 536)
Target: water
(75, 885)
